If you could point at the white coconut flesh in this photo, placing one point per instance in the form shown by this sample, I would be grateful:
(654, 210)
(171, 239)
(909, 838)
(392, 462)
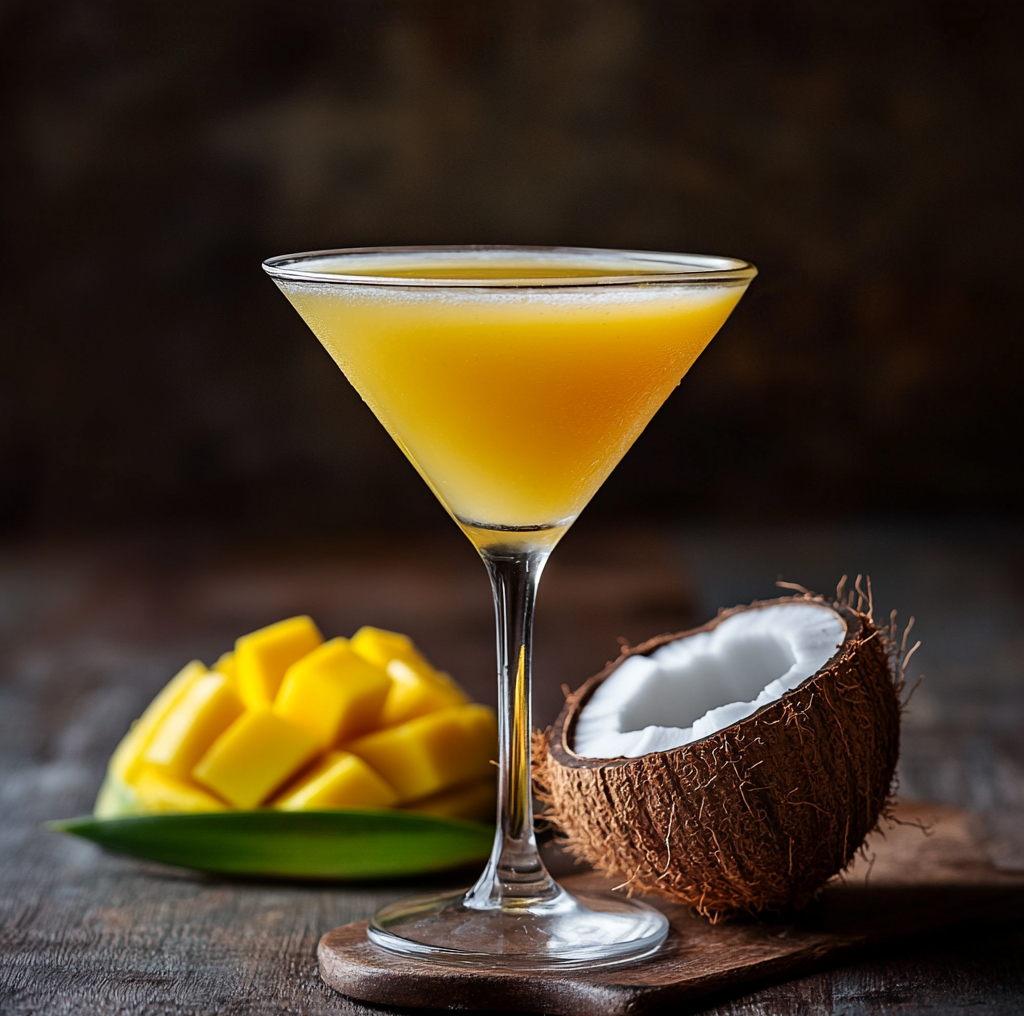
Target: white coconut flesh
(694, 686)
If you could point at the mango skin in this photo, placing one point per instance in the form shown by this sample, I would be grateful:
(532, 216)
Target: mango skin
(262, 657)
(254, 756)
(431, 753)
(116, 799)
(333, 692)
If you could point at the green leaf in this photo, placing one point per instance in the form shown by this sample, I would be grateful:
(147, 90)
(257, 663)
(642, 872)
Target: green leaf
(341, 844)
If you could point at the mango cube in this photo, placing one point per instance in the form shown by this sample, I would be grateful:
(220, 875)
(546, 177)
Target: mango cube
(205, 709)
(157, 792)
(432, 752)
(262, 725)
(262, 657)
(341, 780)
(416, 687)
(477, 801)
(380, 647)
(254, 756)
(417, 690)
(333, 692)
(127, 761)
(226, 665)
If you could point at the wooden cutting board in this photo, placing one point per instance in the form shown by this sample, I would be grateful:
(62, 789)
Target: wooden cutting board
(911, 880)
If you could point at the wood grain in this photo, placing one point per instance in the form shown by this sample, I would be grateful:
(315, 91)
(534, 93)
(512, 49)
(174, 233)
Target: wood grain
(927, 870)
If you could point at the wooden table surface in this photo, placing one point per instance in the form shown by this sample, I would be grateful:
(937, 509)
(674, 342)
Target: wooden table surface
(89, 633)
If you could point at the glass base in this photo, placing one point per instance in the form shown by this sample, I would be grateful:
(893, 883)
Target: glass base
(561, 933)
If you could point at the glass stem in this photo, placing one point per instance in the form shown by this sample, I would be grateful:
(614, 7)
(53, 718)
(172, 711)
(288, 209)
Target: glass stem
(515, 875)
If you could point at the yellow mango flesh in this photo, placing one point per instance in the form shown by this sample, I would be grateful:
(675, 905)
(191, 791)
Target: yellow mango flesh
(342, 780)
(205, 709)
(254, 756)
(226, 665)
(262, 657)
(416, 687)
(433, 752)
(158, 792)
(477, 801)
(127, 761)
(380, 647)
(416, 691)
(200, 743)
(333, 693)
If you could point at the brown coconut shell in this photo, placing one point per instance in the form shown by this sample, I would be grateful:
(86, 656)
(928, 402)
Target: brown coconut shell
(755, 817)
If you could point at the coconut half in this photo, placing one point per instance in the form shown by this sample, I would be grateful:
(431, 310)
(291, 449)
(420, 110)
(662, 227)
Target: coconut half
(735, 767)
(693, 686)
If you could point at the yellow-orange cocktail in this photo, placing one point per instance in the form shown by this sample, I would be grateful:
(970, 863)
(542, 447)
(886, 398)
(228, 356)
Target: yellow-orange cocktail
(513, 404)
(514, 379)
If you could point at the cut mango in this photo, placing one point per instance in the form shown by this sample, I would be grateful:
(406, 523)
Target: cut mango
(416, 687)
(417, 690)
(432, 752)
(127, 762)
(254, 756)
(380, 647)
(205, 709)
(159, 792)
(333, 692)
(477, 801)
(266, 721)
(262, 657)
(342, 780)
(226, 665)
(116, 799)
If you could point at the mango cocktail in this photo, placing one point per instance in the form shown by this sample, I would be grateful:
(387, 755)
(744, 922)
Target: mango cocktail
(513, 406)
(514, 380)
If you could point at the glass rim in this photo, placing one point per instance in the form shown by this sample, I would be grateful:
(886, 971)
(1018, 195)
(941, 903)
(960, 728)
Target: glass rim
(667, 268)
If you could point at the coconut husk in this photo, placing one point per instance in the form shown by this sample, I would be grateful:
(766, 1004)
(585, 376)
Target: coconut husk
(755, 817)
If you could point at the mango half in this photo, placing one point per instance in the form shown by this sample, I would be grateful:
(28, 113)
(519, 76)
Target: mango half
(289, 721)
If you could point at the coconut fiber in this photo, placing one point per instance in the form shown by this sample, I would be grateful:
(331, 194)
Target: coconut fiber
(755, 817)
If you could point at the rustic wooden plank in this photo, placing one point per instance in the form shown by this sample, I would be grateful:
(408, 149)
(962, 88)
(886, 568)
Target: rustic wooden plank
(929, 869)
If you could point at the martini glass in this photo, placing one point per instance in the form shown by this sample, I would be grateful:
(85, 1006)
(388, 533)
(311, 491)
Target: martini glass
(514, 379)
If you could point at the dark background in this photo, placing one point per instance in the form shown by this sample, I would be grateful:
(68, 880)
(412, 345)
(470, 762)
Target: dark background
(867, 157)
